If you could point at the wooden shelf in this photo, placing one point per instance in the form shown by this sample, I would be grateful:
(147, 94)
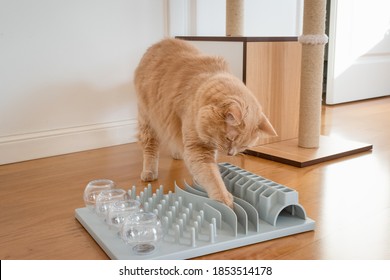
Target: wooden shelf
(288, 151)
(239, 38)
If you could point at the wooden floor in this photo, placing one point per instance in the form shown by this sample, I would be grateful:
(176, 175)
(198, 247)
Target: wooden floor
(349, 198)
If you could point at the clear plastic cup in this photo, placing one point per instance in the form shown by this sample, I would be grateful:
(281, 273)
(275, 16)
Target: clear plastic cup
(93, 189)
(142, 231)
(106, 198)
(119, 210)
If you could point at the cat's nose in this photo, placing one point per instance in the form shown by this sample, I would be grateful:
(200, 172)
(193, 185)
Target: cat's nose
(231, 152)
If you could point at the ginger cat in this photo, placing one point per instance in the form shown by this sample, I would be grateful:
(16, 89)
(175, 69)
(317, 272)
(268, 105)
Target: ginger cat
(192, 102)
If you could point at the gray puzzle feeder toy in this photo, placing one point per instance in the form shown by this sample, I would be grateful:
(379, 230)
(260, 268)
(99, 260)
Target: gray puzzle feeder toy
(190, 224)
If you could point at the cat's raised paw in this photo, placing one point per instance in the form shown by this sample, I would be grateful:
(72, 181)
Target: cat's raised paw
(148, 176)
(226, 198)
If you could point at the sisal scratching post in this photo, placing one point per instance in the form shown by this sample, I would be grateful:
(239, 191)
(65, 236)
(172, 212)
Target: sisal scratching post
(234, 17)
(313, 42)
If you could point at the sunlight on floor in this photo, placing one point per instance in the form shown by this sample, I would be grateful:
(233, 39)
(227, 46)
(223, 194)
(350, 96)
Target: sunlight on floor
(355, 197)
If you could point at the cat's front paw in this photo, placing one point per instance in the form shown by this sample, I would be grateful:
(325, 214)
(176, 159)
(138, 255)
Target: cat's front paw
(148, 176)
(224, 197)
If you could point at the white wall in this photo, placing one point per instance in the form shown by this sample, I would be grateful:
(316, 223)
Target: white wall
(262, 17)
(66, 67)
(66, 70)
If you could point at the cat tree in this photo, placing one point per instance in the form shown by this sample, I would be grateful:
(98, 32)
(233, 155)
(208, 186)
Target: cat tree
(310, 147)
(285, 74)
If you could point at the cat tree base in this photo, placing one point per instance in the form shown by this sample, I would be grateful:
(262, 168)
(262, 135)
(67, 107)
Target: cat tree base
(288, 151)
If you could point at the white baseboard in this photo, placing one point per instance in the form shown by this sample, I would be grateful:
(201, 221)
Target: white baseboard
(29, 146)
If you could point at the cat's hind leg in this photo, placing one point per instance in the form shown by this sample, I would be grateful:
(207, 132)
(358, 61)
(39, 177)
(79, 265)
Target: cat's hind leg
(150, 148)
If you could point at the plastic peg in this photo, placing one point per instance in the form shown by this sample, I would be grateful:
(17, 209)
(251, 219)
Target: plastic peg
(214, 223)
(211, 233)
(177, 233)
(193, 237)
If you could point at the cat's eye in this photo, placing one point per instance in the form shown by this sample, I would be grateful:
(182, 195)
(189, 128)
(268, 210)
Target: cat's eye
(229, 139)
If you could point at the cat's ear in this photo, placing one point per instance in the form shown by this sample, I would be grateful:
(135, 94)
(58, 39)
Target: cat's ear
(233, 115)
(266, 126)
